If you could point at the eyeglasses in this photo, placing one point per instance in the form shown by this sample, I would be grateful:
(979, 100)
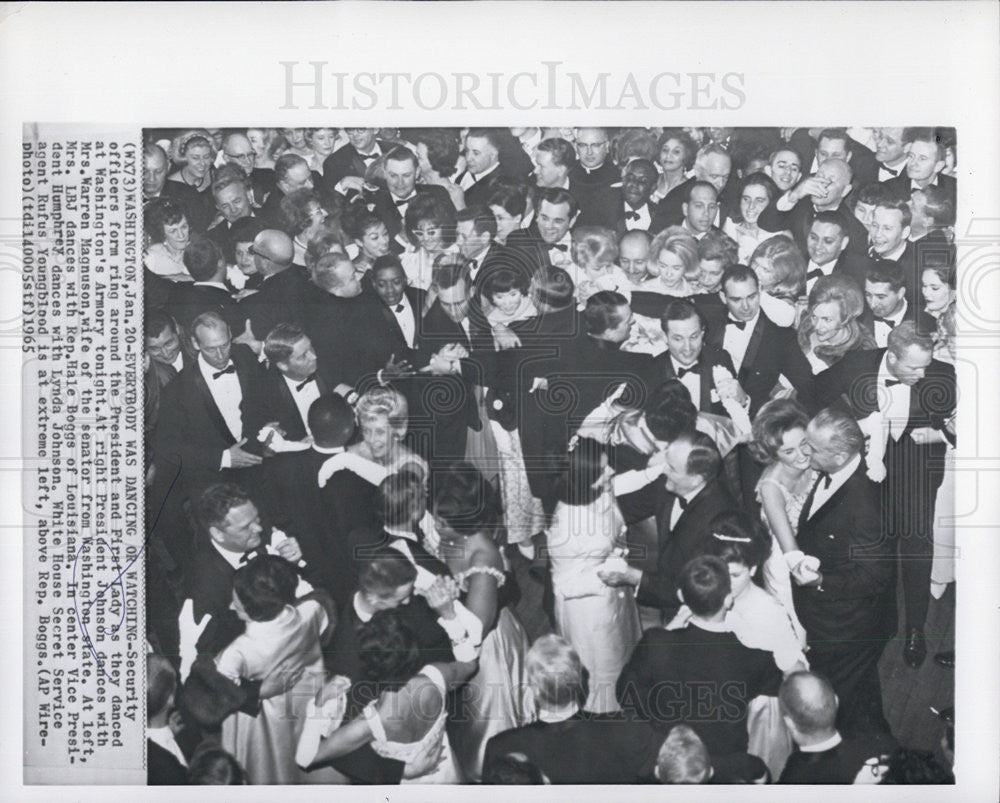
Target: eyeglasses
(242, 157)
(591, 146)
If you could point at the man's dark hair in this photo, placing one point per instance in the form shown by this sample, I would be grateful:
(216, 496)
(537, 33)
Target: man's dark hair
(704, 584)
(832, 219)
(563, 152)
(556, 196)
(331, 421)
(739, 273)
(701, 185)
(157, 323)
(670, 412)
(285, 163)
(402, 154)
(681, 310)
(898, 206)
(554, 288)
(264, 586)
(390, 653)
(483, 219)
(202, 258)
(161, 682)
(512, 770)
(217, 500)
(601, 312)
(704, 459)
(886, 272)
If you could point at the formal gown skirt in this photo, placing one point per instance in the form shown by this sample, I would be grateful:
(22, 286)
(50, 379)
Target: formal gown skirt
(522, 512)
(603, 629)
(778, 581)
(945, 552)
(493, 699)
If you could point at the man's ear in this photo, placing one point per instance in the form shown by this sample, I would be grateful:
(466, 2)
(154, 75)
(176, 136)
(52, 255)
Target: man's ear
(215, 534)
(906, 232)
(847, 191)
(684, 209)
(576, 217)
(680, 596)
(727, 603)
(847, 241)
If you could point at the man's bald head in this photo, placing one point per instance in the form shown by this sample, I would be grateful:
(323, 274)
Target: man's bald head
(837, 175)
(273, 251)
(237, 149)
(808, 700)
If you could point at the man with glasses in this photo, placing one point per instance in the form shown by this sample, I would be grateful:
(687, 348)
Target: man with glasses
(344, 169)
(237, 150)
(595, 179)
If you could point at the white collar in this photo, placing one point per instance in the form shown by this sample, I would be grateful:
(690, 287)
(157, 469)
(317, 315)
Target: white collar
(220, 285)
(838, 478)
(821, 747)
(207, 370)
(711, 627)
(479, 176)
(328, 449)
(557, 714)
(896, 252)
(293, 384)
(409, 197)
(397, 533)
(356, 603)
(897, 317)
(232, 558)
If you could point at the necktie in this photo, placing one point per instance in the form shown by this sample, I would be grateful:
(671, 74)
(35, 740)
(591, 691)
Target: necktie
(807, 505)
(398, 308)
(560, 247)
(889, 383)
(250, 554)
(888, 169)
(741, 325)
(886, 321)
(815, 273)
(631, 215)
(682, 502)
(826, 478)
(306, 381)
(230, 369)
(683, 372)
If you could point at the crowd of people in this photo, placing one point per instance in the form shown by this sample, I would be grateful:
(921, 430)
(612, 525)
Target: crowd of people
(693, 389)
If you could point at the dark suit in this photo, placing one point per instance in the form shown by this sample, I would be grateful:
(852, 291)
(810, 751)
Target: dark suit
(901, 185)
(534, 250)
(270, 210)
(478, 194)
(199, 204)
(279, 300)
(698, 677)
(346, 161)
(278, 404)
(838, 765)
(584, 749)
(332, 324)
(593, 190)
(688, 539)
(913, 472)
(907, 262)
(388, 212)
(663, 369)
(188, 301)
(850, 620)
(365, 540)
(221, 235)
(163, 768)
(798, 220)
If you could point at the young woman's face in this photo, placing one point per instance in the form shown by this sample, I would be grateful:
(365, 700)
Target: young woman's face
(296, 136)
(827, 321)
(506, 222)
(753, 201)
(790, 452)
(199, 160)
(508, 301)
(937, 294)
(672, 156)
(375, 242)
(671, 268)
(323, 140)
(430, 236)
(244, 259)
(740, 578)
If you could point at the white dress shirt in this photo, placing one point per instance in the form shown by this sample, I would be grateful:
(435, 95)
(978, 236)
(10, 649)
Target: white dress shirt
(164, 737)
(736, 340)
(644, 221)
(882, 330)
(826, 269)
(406, 319)
(837, 479)
(402, 204)
(469, 178)
(227, 395)
(893, 402)
(678, 511)
(691, 381)
(303, 398)
(178, 363)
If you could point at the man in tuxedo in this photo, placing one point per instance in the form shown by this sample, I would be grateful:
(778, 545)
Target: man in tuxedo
(231, 191)
(836, 143)
(924, 163)
(396, 310)
(237, 150)
(476, 230)
(688, 359)
(210, 415)
(633, 255)
(163, 345)
(547, 240)
(205, 263)
(554, 159)
(635, 211)
(344, 169)
(826, 190)
(594, 180)
(785, 168)
(166, 764)
(482, 166)
(915, 398)
(401, 169)
(713, 165)
(823, 756)
(889, 243)
(885, 294)
(291, 173)
(155, 166)
(890, 152)
(700, 674)
(826, 245)
(569, 745)
(323, 517)
(844, 572)
(691, 496)
(700, 210)
(279, 299)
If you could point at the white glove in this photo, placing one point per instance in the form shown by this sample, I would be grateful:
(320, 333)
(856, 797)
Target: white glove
(321, 722)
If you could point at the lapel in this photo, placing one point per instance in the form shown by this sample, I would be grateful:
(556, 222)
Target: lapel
(210, 406)
(834, 500)
(705, 380)
(750, 358)
(287, 399)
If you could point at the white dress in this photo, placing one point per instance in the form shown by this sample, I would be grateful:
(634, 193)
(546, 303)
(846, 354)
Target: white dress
(429, 760)
(601, 622)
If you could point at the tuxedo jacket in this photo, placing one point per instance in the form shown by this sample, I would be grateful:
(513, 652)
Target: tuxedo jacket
(663, 369)
(857, 561)
(188, 301)
(388, 212)
(270, 210)
(346, 161)
(278, 404)
(534, 249)
(156, 291)
(382, 335)
(478, 194)
(900, 186)
(191, 433)
(838, 765)
(221, 235)
(363, 542)
(333, 324)
(163, 768)
(798, 220)
(688, 539)
(597, 193)
(657, 218)
(699, 677)
(771, 352)
(672, 205)
(279, 300)
(584, 749)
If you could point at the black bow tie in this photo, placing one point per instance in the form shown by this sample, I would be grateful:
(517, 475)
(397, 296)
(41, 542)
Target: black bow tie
(888, 169)
(889, 383)
(306, 381)
(247, 556)
(368, 157)
(683, 372)
(825, 478)
(230, 369)
(875, 256)
(405, 201)
(560, 247)
(631, 215)
(886, 321)
(741, 325)
(815, 273)
(473, 264)
(398, 307)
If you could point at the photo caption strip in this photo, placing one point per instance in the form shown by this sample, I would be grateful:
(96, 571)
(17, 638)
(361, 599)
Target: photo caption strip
(84, 657)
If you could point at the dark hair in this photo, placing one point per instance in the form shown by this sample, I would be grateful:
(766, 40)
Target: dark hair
(384, 570)
(434, 210)
(738, 273)
(264, 586)
(907, 766)
(563, 152)
(227, 175)
(331, 420)
(213, 766)
(939, 205)
(669, 411)
(684, 138)
(400, 498)
(390, 653)
(758, 179)
(503, 280)
(886, 271)
(217, 500)
(285, 163)
(772, 421)
(157, 323)
(556, 196)
(482, 217)
(449, 270)
(465, 501)
(874, 193)
(704, 584)
(836, 133)
(511, 770)
(512, 196)
(245, 230)
(574, 486)
(681, 310)
(704, 459)
(161, 682)
(489, 134)
(356, 219)
(442, 148)
(700, 185)
(931, 136)
(738, 537)
(388, 261)
(601, 312)
(159, 213)
(554, 288)
(831, 219)
(402, 154)
(202, 258)
(280, 342)
(293, 211)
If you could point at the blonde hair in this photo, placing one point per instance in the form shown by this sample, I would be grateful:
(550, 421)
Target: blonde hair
(384, 403)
